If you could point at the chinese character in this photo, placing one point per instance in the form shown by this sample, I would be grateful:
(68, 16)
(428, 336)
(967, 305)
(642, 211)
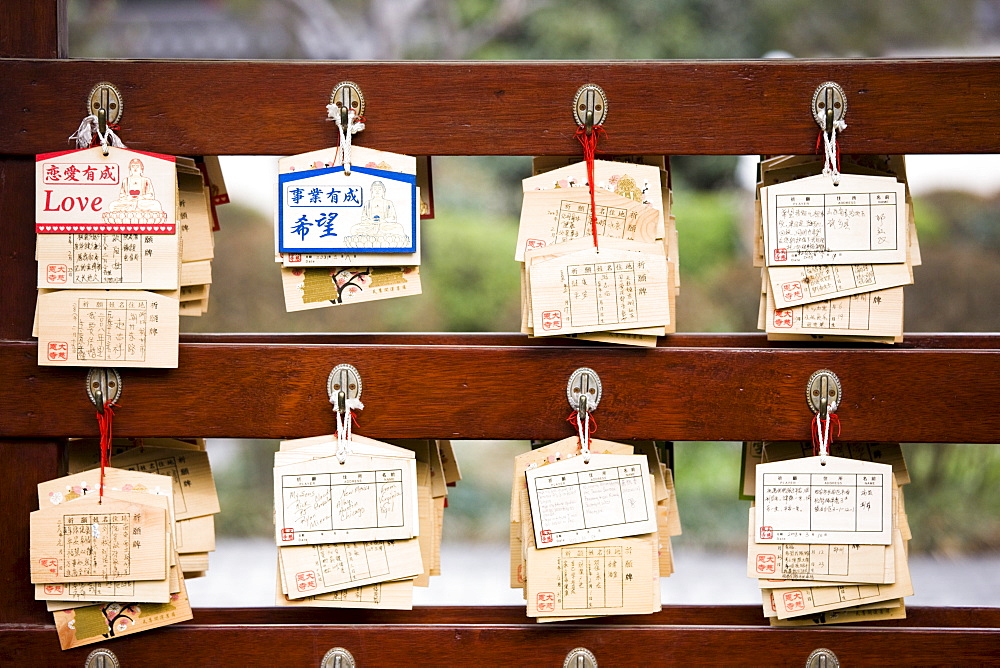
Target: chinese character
(314, 195)
(301, 227)
(325, 223)
(297, 195)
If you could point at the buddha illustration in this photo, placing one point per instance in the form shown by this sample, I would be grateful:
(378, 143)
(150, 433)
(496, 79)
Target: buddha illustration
(378, 225)
(136, 193)
(136, 199)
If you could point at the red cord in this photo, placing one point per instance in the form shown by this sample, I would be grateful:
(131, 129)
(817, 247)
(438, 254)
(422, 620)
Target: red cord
(589, 143)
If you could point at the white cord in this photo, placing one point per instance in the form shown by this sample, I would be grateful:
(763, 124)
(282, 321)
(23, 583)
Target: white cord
(354, 126)
(344, 426)
(830, 166)
(823, 436)
(84, 135)
(583, 428)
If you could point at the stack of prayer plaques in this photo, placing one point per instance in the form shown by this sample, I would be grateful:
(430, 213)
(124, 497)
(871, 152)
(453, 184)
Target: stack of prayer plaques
(107, 566)
(831, 574)
(109, 254)
(362, 529)
(617, 288)
(834, 257)
(196, 223)
(589, 534)
(195, 499)
(347, 239)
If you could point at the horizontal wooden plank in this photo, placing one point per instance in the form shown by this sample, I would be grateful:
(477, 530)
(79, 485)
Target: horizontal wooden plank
(508, 638)
(517, 390)
(511, 108)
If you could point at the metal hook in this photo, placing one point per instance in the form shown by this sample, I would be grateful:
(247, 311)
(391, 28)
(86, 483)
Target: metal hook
(824, 400)
(590, 107)
(828, 99)
(823, 393)
(103, 386)
(588, 117)
(105, 102)
(343, 383)
(829, 105)
(584, 390)
(346, 96)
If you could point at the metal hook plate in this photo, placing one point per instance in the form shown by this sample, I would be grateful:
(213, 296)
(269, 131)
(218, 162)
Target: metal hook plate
(338, 657)
(105, 96)
(344, 378)
(103, 385)
(823, 388)
(101, 658)
(347, 95)
(829, 95)
(590, 106)
(581, 657)
(822, 658)
(584, 382)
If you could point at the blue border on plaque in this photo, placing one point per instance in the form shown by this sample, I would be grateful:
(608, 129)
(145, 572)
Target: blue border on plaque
(411, 179)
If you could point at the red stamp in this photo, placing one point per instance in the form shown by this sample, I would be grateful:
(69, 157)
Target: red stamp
(55, 273)
(767, 563)
(792, 292)
(295, 257)
(546, 535)
(51, 564)
(783, 318)
(58, 351)
(766, 533)
(780, 255)
(287, 534)
(545, 602)
(54, 590)
(534, 243)
(551, 320)
(793, 601)
(305, 581)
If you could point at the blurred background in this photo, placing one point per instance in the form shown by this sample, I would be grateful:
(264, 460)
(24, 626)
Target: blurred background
(470, 283)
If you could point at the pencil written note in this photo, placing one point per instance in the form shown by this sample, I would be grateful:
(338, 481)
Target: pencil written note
(845, 501)
(119, 328)
(573, 501)
(134, 261)
(92, 539)
(811, 221)
(309, 570)
(826, 562)
(793, 286)
(869, 314)
(555, 216)
(366, 498)
(608, 577)
(799, 601)
(586, 291)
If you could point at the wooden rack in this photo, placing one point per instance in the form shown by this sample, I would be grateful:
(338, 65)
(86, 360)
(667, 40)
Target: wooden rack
(932, 388)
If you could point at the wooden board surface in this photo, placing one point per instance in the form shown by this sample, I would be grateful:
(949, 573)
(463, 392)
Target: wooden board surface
(681, 635)
(278, 390)
(512, 108)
